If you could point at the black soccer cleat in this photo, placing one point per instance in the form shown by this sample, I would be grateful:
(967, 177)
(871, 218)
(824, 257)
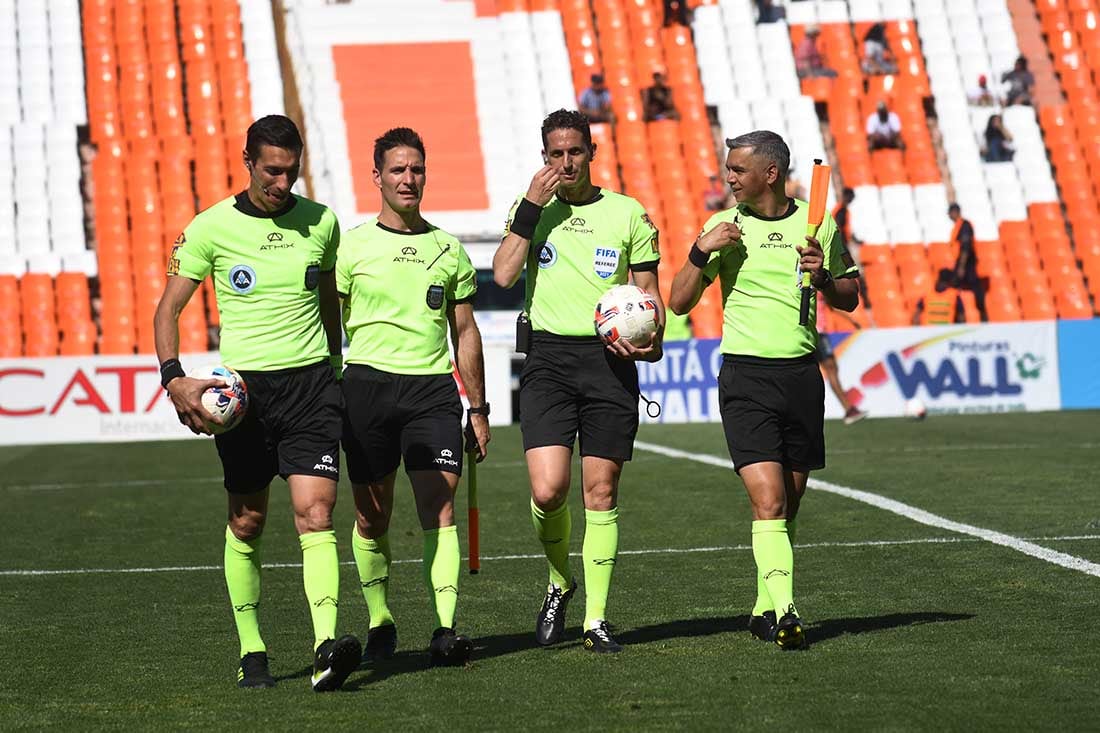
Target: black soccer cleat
(599, 640)
(763, 627)
(550, 623)
(334, 661)
(381, 644)
(253, 671)
(789, 632)
(449, 649)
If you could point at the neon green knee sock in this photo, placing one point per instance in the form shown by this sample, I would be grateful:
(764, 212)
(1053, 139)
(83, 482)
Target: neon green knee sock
(771, 547)
(372, 560)
(763, 598)
(601, 547)
(441, 564)
(321, 576)
(553, 529)
(242, 578)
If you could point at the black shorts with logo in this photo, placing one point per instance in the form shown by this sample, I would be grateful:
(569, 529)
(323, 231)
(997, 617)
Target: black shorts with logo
(572, 385)
(389, 416)
(292, 427)
(773, 410)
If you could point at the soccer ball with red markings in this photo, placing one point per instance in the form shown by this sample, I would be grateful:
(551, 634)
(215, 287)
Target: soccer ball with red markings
(626, 312)
(229, 403)
(915, 409)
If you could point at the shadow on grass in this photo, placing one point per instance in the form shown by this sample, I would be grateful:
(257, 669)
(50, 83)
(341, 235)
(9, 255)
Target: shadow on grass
(831, 628)
(489, 647)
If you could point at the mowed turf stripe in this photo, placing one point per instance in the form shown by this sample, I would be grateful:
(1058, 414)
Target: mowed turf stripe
(496, 558)
(1062, 559)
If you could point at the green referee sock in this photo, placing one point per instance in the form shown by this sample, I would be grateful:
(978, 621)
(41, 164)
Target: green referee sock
(441, 563)
(553, 529)
(763, 598)
(601, 547)
(372, 560)
(321, 576)
(771, 547)
(242, 578)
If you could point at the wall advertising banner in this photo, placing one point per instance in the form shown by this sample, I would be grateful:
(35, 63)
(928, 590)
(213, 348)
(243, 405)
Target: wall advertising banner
(1079, 363)
(951, 369)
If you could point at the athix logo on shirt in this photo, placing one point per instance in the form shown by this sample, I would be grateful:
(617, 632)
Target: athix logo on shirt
(275, 241)
(577, 225)
(605, 262)
(408, 254)
(242, 278)
(775, 241)
(548, 255)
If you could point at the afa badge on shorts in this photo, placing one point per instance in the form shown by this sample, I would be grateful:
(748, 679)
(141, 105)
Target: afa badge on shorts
(242, 278)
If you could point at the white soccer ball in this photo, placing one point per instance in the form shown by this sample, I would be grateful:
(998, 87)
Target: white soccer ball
(914, 408)
(626, 312)
(228, 404)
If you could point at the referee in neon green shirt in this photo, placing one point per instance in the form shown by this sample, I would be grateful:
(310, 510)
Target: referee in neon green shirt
(771, 393)
(577, 241)
(404, 284)
(271, 255)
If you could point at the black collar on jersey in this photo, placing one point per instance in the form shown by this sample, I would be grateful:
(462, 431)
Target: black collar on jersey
(791, 208)
(391, 230)
(244, 205)
(595, 197)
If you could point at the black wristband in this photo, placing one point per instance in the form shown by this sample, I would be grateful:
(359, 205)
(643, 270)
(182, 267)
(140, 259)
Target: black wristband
(169, 370)
(698, 257)
(480, 410)
(525, 219)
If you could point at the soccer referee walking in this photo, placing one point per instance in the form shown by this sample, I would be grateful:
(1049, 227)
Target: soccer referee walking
(271, 255)
(403, 283)
(577, 241)
(770, 389)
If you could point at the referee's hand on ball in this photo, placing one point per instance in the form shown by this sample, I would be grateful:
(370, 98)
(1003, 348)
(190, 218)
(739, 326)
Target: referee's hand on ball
(186, 394)
(626, 350)
(812, 259)
(543, 186)
(724, 235)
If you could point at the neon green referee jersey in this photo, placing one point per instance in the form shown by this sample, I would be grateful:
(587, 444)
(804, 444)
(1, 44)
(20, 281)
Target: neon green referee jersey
(578, 253)
(266, 272)
(760, 281)
(397, 288)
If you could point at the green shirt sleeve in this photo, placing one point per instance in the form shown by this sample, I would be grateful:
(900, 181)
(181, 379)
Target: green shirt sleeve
(464, 284)
(838, 262)
(644, 238)
(343, 272)
(328, 259)
(511, 215)
(195, 252)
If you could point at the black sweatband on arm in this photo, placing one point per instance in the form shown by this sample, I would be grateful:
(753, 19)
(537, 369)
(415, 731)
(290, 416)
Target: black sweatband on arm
(698, 257)
(169, 370)
(525, 219)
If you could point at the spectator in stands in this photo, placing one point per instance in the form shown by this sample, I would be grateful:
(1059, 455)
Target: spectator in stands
(1020, 83)
(768, 12)
(807, 58)
(717, 196)
(942, 306)
(676, 12)
(883, 129)
(657, 100)
(998, 141)
(794, 186)
(965, 271)
(877, 58)
(982, 95)
(595, 101)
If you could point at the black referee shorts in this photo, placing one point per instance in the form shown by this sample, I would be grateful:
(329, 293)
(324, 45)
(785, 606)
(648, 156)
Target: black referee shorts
(773, 410)
(292, 427)
(572, 385)
(389, 416)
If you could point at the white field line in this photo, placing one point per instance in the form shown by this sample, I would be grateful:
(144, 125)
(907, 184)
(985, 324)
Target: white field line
(917, 515)
(497, 558)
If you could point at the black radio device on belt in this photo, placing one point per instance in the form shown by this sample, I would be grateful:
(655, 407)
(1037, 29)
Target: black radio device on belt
(523, 333)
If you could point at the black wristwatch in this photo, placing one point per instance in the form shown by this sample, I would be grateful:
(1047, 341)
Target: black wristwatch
(481, 410)
(827, 280)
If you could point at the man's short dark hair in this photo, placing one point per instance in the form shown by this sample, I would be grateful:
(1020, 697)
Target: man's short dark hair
(849, 193)
(397, 137)
(766, 144)
(567, 119)
(276, 130)
(953, 207)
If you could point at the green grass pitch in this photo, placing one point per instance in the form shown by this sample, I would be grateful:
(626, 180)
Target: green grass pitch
(914, 627)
